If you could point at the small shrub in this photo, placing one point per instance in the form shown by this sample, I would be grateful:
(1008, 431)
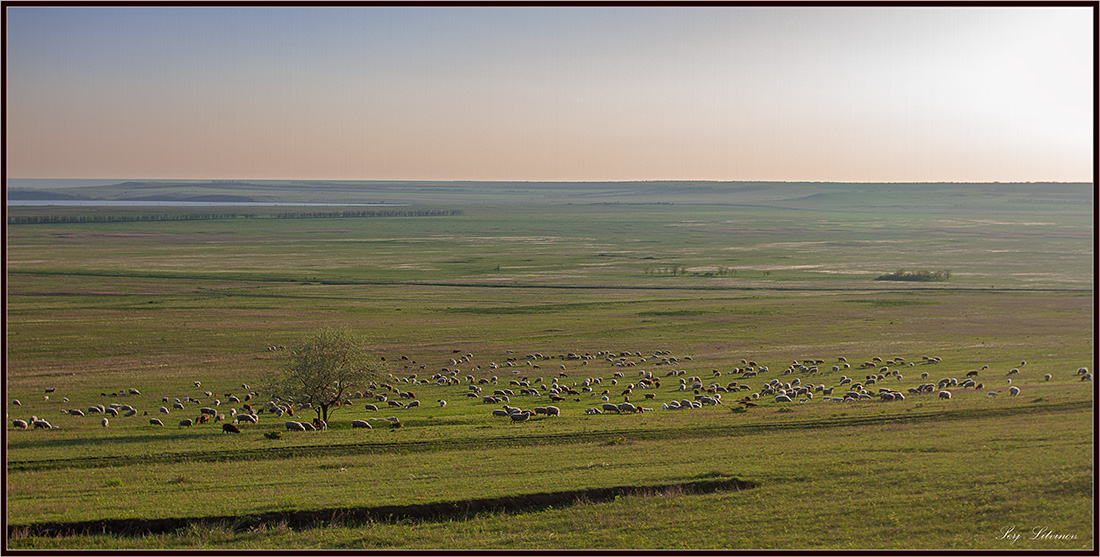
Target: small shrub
(113, 482)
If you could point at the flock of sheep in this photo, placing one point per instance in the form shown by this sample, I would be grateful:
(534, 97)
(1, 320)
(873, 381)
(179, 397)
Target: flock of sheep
(565, 380)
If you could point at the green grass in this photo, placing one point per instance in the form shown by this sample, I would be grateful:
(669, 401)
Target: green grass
(98, 307)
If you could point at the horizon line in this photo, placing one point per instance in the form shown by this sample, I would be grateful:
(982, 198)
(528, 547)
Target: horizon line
(548, 181)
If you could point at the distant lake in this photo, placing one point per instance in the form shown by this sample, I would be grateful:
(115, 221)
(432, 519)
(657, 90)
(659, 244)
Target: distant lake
(101, 203)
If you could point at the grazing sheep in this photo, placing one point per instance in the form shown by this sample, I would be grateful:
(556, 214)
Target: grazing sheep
(517, 417)
(19, 424)
(15, 402)
(1013, 391)
(103, 422)
(592, 411)
(553, 411)
(992, 393)
(230, 428)
(41, 424)
(371, 407)
(75, 412)
(1047, 377)
(412, 404)
(945, 394)
(608, 407)
(186, 423)
(1086, 377)
(500, 413)
(164, 410)
(111, 411)
(1082, 370)
(295, 426)
(134, 392)
(247, 418)
(442, 403)
(360, 424)
(627, 407)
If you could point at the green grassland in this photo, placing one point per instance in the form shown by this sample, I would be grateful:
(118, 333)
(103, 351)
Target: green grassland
(713, 272)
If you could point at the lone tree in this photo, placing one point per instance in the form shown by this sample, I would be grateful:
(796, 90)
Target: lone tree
(325, 368)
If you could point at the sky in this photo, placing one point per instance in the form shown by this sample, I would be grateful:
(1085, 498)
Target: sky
(849, 94)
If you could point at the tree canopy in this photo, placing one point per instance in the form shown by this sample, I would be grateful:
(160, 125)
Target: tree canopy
(325, 369)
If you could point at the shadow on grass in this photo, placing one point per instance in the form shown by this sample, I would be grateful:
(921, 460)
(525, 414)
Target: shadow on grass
(427, 512)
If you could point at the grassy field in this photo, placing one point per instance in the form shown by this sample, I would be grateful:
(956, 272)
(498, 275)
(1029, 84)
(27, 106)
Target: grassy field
(713, 273)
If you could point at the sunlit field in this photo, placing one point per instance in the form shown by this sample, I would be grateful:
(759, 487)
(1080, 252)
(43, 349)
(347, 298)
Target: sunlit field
(520, 286)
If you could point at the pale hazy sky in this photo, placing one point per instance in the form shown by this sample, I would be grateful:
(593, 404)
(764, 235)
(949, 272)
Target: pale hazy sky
(551, 93)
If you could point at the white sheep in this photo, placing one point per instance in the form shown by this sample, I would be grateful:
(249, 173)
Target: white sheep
(360, 424)
(19, 424)
(945, 395)
(1013, 391)
(103, 422)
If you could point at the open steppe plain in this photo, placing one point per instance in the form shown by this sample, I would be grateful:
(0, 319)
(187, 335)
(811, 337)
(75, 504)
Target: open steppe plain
(713, 275)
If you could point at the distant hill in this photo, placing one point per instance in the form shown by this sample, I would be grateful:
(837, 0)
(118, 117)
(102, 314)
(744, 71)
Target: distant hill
(814, 196)
(42, 195)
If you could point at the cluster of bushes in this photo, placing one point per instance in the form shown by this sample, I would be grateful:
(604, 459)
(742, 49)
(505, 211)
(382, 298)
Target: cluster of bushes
(917, 276)
(66, 219)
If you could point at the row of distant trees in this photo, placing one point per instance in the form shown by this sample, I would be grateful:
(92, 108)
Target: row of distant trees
(917, 276)
(675, 270)
(899, 275)
(67, 219)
